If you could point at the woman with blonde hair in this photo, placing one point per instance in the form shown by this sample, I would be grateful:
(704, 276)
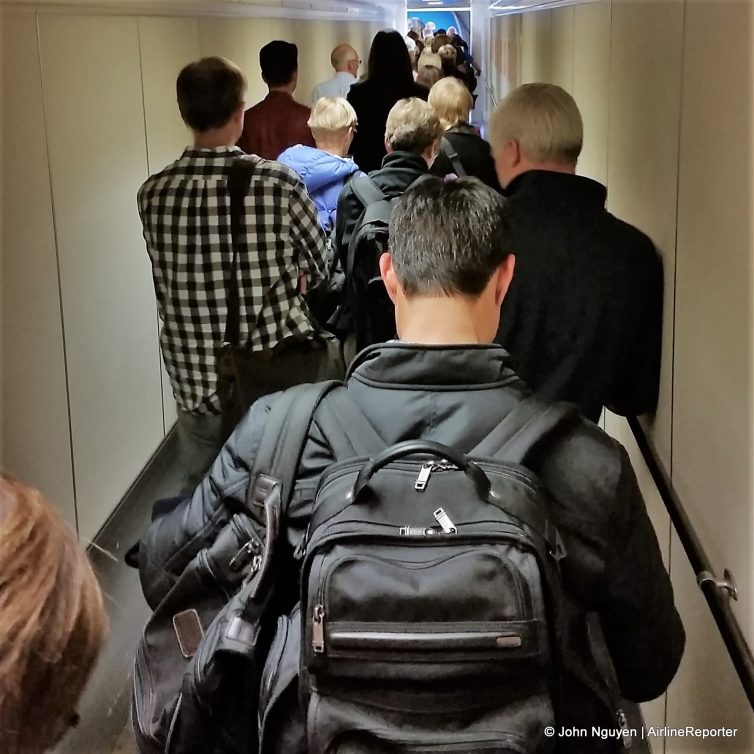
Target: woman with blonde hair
(52, 621)
(325, 168)
(462, 150)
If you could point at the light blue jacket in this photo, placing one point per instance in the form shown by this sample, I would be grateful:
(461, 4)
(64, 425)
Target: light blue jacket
(323, 174)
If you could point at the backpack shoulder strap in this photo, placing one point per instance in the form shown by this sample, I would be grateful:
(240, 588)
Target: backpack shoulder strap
(347, 430)
(366, 190)
(371, 197)
(527, 425)
(283, 439)
(449, 151)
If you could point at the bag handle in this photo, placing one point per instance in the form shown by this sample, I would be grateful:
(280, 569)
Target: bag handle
(429, 447)
(239, 180)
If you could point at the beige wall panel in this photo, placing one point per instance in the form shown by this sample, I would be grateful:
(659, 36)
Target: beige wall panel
(95, 125)
(591, 84)
(562, 41)
(617, 427)
(35, 432)
(536, 47)
(166, 45)
(713, 446)
(706, 692)
(505, 65)
(646, 46)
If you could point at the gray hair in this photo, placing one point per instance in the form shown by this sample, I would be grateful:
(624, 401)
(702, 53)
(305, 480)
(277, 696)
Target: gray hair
(545, 121)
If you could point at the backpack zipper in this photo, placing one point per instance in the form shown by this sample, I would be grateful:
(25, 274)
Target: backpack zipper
(426, 470)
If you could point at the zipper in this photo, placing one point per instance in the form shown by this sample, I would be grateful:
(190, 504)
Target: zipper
(424, 640)
(626, 738)
(318, 629)
(427, 469)
(274, 657)
(247, 553)
(445, 522)
(338, 471)
(142, 674)
(511, 743)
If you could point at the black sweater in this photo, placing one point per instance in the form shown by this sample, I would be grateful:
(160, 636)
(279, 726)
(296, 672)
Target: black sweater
(583, 316)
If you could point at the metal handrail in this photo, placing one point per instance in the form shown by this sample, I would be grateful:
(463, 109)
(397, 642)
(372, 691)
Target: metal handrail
(717, 592)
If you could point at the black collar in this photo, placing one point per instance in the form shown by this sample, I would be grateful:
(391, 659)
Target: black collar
(401, 159)
(545, 185)
(448, 367)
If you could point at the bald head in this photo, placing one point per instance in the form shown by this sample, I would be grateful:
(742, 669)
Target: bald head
(344, 57)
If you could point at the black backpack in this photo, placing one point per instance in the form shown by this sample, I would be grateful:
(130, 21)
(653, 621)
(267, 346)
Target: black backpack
(431, 600)
(187, 619)
(371, 308)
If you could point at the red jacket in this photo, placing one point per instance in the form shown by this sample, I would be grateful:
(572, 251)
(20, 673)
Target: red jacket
(274, 124)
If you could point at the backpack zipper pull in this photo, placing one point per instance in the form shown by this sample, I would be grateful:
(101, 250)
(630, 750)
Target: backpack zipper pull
(626, 736)
(245, 554)
(318, 629)
(423, 478)
(443, 519)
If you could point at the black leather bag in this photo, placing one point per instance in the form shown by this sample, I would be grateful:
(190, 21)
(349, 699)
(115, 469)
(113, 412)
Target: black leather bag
(241, 557)
(244, 375)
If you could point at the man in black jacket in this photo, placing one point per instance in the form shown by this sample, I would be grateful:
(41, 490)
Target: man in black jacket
(412, 138)
(447, 274)
(583, 318)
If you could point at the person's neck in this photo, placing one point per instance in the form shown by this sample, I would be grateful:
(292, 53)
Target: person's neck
(214, 139)
(337, 149)
(441, 320)
(287, 89)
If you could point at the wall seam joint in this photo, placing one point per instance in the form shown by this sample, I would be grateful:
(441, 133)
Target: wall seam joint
(59, 276)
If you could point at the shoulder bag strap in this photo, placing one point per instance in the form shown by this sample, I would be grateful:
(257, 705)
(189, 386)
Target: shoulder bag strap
(449, 151)
(239, 180)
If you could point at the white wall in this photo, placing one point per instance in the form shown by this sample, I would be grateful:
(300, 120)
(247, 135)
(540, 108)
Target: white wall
(89, 112)
(665, 93)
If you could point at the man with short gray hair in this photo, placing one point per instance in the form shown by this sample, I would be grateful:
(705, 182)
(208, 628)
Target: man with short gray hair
(345, 60)
(583, 318)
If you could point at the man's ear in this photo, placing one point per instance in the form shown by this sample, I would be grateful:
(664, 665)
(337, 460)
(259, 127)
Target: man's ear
(387, 271)
(239, 113)
(514, 152)
(388, 148)
(504, 276)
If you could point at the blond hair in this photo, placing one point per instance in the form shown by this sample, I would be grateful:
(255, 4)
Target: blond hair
(412, 126)
(52, 621)
(545, 121)
(448, 52)
(428, 58)
(331, 115)
(451, 100)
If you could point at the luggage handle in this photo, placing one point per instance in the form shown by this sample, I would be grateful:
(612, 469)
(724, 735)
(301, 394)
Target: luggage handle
(413, 447)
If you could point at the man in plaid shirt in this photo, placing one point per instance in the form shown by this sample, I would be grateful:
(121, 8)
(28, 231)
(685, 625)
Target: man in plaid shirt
(185, 211)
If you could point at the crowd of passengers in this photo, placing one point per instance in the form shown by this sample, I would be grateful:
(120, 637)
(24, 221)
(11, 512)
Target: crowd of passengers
(506, 274)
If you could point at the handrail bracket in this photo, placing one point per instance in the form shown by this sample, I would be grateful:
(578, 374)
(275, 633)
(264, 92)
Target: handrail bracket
(727, 583)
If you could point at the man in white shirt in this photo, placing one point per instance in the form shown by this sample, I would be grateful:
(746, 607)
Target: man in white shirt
(345, 61)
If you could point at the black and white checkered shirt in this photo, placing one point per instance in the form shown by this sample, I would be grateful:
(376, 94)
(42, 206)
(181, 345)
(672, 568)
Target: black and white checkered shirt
(185, 211)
